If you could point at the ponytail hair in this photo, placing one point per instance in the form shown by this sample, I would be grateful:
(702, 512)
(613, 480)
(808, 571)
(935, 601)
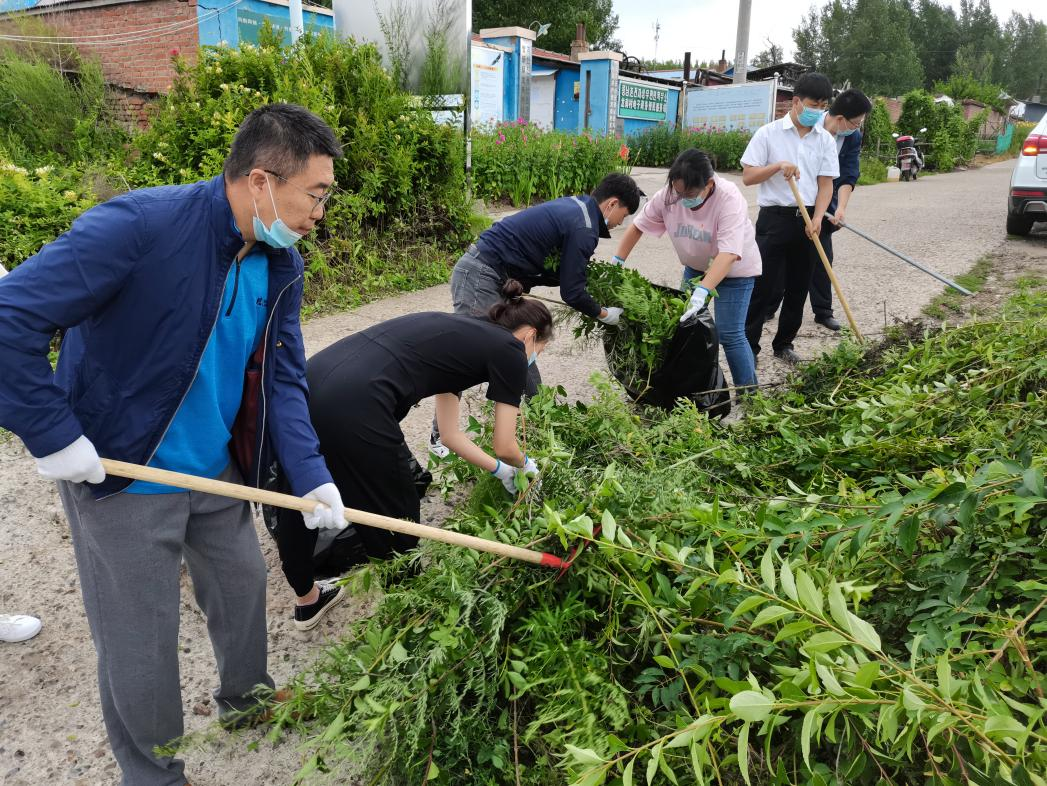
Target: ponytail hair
(517, 311)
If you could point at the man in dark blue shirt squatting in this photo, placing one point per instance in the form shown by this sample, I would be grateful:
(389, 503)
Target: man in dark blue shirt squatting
(844, 121)
(546, 245)
(182, 350)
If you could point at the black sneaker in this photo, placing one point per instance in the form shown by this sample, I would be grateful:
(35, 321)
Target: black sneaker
(308, 617)
(788, 355)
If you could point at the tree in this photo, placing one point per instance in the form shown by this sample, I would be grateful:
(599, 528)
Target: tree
(562, 15)
(935, 31)
(866, 42)
(980, 40)
(770, 56)
(1024, 59)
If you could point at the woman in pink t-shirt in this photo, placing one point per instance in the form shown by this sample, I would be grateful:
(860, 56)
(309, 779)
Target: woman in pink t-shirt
(707, 219)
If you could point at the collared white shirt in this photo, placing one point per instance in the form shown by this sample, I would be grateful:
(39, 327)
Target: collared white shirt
(839, 139)
(815, 154)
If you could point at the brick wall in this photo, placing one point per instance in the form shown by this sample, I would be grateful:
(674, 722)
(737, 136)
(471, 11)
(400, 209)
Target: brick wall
(142, 66)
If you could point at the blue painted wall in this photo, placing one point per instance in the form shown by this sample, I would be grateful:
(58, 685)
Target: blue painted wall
(599, 94)
(241, 23)
(565, 113)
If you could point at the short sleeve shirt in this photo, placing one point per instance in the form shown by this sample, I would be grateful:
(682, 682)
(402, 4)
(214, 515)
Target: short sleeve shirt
(720, 225)
(814, 153)
(419, 355)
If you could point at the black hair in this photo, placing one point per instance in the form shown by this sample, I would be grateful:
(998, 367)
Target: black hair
(621, 186)
(814, 86)
(850, 104)
(517, 311)
(693, 167)
(280, 138)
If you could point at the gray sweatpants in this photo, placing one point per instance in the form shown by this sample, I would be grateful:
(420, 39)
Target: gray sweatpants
(128, 550)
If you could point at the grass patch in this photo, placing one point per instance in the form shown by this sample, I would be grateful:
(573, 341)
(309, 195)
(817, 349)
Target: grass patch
(950, 302)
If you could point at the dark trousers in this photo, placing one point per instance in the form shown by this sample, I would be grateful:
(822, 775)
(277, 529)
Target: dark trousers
(788, 259)
(821, 288)
(374, 470)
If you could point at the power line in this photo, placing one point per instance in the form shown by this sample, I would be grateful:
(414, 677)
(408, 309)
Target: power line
(130, 36)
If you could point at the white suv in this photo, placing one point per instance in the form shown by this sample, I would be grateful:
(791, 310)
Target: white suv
(1027, 202)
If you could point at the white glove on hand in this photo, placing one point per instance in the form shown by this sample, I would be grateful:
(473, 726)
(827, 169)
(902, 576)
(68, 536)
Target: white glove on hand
(506, 474)
(698, 298)
(330, 514)
(614, 313)
(77, 462)
(530, 467)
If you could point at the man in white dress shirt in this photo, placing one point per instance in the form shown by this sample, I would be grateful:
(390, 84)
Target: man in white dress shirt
(794, 147)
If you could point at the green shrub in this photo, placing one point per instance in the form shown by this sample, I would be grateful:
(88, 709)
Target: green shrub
(521, 163)
(659, 146)
(876, 135)
(36, 206)
(48, 117)
(953, 139)
(873, 171)
(399, 217)
(1021, 133)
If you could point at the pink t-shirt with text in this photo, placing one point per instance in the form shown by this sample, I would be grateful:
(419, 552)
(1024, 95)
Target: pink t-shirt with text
(719, 226)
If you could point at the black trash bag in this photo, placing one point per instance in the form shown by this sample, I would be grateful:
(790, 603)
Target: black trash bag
(337, 551)
(690, 370)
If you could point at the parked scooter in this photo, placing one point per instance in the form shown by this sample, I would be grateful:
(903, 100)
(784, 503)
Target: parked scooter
(910, 162)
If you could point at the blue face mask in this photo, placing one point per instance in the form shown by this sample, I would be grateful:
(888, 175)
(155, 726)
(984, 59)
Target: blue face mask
(531, 358)
(692, 202)
(810, 117)
(848, 132)
(278, 235)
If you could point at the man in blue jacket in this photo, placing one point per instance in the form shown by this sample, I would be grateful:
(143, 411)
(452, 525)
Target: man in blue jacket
(182, 350)
(546, 245)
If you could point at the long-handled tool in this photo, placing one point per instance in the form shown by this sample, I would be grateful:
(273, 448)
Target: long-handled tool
(825, 261)
(123, 469)
(904, 258)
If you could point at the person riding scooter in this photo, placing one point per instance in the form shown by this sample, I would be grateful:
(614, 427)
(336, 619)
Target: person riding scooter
(910, 162)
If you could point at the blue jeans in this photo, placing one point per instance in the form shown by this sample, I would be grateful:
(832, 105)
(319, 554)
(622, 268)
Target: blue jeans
(729, 309)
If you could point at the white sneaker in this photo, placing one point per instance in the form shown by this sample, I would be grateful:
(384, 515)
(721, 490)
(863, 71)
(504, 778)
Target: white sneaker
(437, 448)
(18, 627)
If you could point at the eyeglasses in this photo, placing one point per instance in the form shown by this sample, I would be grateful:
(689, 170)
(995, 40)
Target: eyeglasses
(318, 201)
(853, 126)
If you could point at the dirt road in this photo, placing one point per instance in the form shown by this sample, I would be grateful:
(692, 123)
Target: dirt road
(50, 724)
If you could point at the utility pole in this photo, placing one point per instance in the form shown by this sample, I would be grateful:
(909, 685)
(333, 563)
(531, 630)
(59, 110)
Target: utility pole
(657, 34)
(741, 44)
(297, 22)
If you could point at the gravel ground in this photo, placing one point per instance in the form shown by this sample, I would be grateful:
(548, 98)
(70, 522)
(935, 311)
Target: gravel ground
(50, 723)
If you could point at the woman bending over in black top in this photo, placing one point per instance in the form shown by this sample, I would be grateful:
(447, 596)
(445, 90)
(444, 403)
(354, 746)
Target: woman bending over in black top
(362, 386)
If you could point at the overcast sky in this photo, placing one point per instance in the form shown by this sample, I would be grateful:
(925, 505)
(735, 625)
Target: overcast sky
(704, 27)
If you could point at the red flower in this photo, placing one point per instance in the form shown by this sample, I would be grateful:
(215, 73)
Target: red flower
(174, 51)
(623, 153)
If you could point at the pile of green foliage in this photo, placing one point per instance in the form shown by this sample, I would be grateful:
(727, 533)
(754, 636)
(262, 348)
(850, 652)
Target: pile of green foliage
(521, 163)
(660, 145)
(636, 345)
(848, 587)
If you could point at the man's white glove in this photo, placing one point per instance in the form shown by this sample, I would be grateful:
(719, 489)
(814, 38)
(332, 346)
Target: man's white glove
(77, 462)
(506, 473)
(698, 298)
(330, 514)
(614, 313)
